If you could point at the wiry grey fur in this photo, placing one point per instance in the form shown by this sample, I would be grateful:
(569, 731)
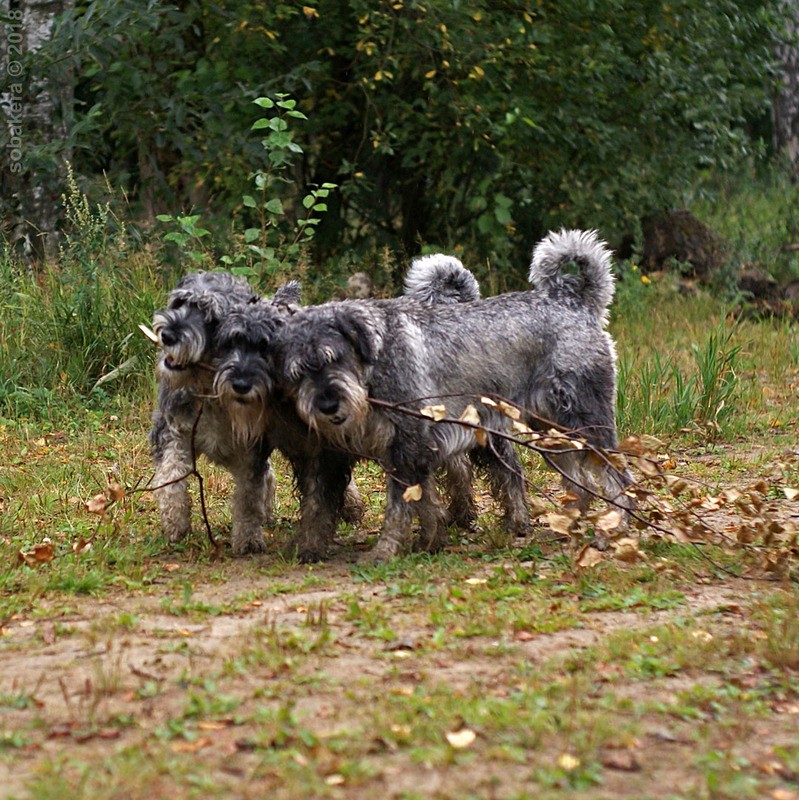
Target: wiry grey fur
(439, 279)
(245, 386)
(186, 330)
(545, 350)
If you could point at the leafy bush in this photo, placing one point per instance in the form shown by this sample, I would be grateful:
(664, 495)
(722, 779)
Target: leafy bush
(443, 123)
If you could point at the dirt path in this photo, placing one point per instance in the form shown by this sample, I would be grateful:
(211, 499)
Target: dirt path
(301, 693)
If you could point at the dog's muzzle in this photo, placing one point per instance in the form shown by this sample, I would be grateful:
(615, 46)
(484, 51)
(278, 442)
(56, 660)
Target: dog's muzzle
(173, 365)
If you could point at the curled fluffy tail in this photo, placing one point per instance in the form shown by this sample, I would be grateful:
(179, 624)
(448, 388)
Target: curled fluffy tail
(592, 285)
(440, 280)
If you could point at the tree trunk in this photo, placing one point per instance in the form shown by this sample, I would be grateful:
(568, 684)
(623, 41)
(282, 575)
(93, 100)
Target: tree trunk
(36, 108)
(785, 109)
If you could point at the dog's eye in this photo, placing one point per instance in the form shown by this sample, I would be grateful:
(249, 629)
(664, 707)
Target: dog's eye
(181, 301)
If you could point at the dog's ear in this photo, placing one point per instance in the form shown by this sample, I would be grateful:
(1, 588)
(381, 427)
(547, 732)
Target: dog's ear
(359, 327)
(288, 294)
(214, 305)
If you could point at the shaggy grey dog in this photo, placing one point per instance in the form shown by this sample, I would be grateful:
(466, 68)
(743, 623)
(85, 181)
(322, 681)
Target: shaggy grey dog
(443, 280)
(188, 416)
(246, 389)
(545, 350)
(261, 421)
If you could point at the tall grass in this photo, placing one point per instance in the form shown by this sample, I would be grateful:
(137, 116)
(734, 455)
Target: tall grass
(673, 392)
(69, 331)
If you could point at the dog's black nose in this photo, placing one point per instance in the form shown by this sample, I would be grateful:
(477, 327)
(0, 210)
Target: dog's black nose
(168, 337)
(327, 404)
(241, 385)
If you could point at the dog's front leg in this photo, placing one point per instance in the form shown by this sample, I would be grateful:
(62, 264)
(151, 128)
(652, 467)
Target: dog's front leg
(173, 461)
(248, 505)
(396, 536)
(322, 481)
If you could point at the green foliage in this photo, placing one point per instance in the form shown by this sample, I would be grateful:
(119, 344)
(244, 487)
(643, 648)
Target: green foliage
(187, 235)
(471, 123)
(274, 241)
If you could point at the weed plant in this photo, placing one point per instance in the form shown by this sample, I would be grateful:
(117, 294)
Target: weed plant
(68, 333)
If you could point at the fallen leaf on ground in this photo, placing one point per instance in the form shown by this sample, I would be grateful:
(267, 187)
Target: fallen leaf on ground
(192, 747)
(465, 737)
(622, 760)
(568, 762)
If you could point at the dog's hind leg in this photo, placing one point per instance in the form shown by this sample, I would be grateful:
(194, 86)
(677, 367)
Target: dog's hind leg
(506, 478)
(433, 534)
(353, 509)
(457, 482)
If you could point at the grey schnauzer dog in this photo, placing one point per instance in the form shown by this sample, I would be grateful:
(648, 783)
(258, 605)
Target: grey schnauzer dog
(188, 421)
(443, 280)
(545, 350)
(246, 387)
(261, 421)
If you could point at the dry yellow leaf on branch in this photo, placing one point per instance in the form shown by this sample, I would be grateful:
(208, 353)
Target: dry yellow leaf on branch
(609, 521)
(97, 505)
(470, 415)
(434, 412)
(413, 493)
(626, 550)
(38, 554)
(116, 491)
(588, 557)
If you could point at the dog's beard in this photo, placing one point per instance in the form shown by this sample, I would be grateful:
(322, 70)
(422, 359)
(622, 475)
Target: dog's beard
(193, 376)
(247, 413)
(347, 426)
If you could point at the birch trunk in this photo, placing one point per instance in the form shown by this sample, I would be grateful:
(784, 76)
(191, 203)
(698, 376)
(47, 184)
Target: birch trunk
(785, 109)
(34, 109)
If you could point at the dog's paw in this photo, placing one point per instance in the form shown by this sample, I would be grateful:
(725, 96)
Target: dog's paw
(310, 554)
(307, 550)
(520, 527)
(463, 518)
(386, 549)
(177, 534)
(249, 545)
(353, 510)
